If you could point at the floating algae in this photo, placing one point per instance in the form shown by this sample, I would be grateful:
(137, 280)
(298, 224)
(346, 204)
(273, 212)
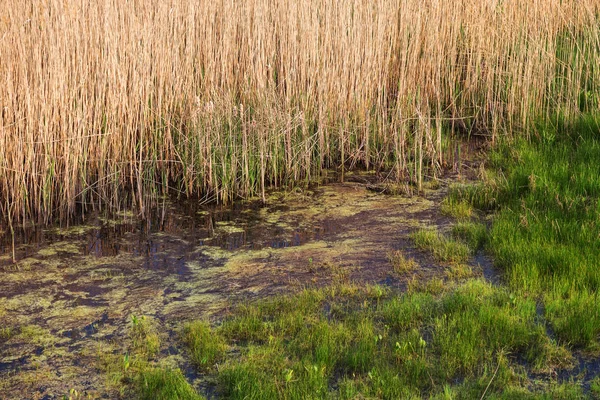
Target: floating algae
(60, 247)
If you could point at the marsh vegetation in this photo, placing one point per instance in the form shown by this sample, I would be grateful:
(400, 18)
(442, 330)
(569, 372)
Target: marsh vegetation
(277, 199)
(536, 337)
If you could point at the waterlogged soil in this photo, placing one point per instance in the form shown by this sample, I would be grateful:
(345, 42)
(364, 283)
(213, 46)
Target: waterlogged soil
(72, 294)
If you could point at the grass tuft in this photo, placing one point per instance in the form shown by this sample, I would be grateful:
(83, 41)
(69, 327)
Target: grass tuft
(457, 209)
(443, 248)
(164, 384)
(206, 346)
(401, 263)
(144, 336)
(474, 234)
(136, 373)
(460, 272)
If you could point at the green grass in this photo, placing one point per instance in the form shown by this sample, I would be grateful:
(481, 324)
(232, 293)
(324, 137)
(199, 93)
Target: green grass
(349, 342)
(460, 272)
(401, 263)
(457, 339)
(7, 333)
(163, 384)
(481, 195)
(546, 235)
(459, 209)
(595, 387)
(442, 341)
(474, 234)
(443, 248)
(135, 374)
(205, 348)
(144, 337)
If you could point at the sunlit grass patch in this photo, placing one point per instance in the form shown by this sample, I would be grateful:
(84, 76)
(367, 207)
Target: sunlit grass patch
(460, 272)
(474, 234)
(410, 311)
(481, 195)
(35, 334)
(546, 235)
(576, 319)
(595, 387)
(434, 286)
(135, 372)
(401, 263)
(7, 333)
(443, 248)
(362, 343)
(144, 336)
(458, 209)
(163, 384)
(248, 324)
(206, 346)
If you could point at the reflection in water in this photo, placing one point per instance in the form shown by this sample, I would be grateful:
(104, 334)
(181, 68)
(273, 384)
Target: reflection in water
(242, 226)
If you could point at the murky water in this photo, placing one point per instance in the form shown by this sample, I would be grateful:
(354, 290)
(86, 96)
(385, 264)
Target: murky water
(73, 291)
(241, 226)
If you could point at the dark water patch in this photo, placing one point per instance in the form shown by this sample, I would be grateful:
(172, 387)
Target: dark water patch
(92, 328)
(108, 241)
(13, 365)
(80, 295)
(264, 235)
(178, 228)
(90, 302)
(90, 290)
(170, 351)
(73, 334)
(239, 226)
(389, 281)
(168, 263)
(485, 262)
(586, 369)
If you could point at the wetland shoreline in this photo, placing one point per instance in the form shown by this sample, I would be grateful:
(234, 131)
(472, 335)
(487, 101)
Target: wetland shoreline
(337, 291)
(79, 286)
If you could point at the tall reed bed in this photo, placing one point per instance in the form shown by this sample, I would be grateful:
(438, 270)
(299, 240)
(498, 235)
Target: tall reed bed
(109, 101)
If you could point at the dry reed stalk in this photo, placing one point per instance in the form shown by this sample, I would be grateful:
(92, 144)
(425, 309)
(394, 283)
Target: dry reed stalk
(109, 100)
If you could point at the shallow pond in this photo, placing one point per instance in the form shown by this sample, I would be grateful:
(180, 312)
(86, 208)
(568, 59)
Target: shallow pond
(74, 290)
